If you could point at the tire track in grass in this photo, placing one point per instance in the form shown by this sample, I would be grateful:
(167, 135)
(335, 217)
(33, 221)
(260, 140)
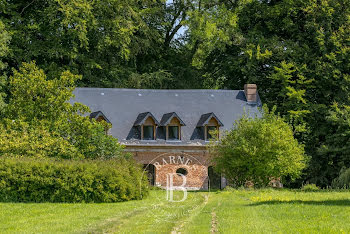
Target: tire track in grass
(111, 224)
(161, 219)
(214, 221)
(192, 213)
(163, 215)
(202, 221)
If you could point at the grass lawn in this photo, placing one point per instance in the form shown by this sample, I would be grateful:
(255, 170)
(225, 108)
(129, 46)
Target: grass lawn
(234, 211)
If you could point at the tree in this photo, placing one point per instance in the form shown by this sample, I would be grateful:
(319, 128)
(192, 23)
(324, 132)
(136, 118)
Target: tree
(4, 44)
(40, 121)
(4, 51)
(335, 150)
(258, 150)
(117, 43)
(97, 39)
(297, 52)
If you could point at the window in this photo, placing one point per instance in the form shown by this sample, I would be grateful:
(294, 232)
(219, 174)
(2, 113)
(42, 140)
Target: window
(174, 129)
(210, 129)
(173, 133)
(207, 124)
(145, 126)
(148, 132)
(172, 124)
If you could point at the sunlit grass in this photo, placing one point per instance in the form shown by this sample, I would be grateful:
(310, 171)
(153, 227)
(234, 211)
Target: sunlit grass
(236, 211)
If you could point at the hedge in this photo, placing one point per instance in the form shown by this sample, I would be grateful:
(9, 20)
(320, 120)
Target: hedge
(47, 180)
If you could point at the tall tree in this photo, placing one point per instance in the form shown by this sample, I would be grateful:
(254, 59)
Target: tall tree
(97, 39)
(4, 51)
(298, 53)
(335, 149)
(119, 43)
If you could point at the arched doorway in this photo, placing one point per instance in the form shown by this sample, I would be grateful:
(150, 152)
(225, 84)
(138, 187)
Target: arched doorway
(214, 179)
(150, 169)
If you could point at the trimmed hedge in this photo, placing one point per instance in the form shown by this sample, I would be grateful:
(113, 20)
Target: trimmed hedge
(47, 180)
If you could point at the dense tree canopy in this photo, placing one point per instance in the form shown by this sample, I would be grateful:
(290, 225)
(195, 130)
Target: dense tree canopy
(296, 51)
(4, 50)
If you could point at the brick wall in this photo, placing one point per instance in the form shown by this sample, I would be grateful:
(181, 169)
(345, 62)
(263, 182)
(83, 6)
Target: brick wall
(168, 159)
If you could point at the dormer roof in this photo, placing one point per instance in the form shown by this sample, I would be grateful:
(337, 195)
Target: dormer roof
(168, 117)
(97, 114)
(142, 117)
(205, 118)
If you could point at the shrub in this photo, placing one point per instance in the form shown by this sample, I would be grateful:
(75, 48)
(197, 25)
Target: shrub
(310, 188)
(47, 180)
(258, 149)
(343, 180)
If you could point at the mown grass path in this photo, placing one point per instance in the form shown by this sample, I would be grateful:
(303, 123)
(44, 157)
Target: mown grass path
(237, 211)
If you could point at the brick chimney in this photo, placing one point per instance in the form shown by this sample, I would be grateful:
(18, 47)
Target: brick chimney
(250, 91)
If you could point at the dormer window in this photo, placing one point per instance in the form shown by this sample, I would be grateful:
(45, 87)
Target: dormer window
(148, 125)
(99, 117)
(172, 123)
(174, 133)
(210, 123)
(148, 133)
(149, 130)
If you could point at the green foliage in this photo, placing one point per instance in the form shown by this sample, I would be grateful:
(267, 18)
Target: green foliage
(34, 97)
(339, 119)
(213, 26)
(4, 44)
(39, 120)
(44, 180)
(259, 149)
(289, 83)
(101, 40)
(297, 52)
(310, 188)
(4, 51)
(335, 148)
(152, 80)
(18, 137)
(343, 180)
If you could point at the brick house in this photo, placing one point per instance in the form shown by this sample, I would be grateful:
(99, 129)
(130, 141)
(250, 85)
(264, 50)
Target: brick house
(168, 130)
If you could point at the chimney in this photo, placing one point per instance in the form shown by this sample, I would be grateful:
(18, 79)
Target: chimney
(250, 91)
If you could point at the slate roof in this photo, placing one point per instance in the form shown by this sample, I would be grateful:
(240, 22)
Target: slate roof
(123, 106)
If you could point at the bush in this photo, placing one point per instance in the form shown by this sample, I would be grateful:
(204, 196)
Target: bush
(343, 180)
(47, 180)
(257, 150)
(310, 188)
